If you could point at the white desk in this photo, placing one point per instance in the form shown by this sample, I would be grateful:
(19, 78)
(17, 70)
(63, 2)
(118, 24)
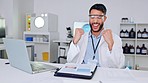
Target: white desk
(9, 74)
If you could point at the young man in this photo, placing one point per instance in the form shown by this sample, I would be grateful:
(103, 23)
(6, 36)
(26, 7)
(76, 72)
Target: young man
(99, 46)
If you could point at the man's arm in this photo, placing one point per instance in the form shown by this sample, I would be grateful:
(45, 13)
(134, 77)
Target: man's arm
(107, 35)
(78, 33)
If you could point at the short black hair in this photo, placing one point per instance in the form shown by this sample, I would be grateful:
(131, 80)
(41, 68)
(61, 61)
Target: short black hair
(99, 7)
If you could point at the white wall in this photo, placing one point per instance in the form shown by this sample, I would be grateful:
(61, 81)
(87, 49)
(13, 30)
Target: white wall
(69, 11)
(6, 11)
(25, 6)
(14, 12)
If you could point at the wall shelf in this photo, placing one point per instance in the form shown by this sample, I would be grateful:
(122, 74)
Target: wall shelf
(135, 59)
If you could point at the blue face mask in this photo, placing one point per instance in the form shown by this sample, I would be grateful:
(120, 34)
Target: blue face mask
(86, 28)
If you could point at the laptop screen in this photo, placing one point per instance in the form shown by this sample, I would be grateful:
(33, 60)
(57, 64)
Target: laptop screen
(17, 54)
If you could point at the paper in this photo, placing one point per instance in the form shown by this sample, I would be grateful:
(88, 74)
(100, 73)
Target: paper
(80, 69)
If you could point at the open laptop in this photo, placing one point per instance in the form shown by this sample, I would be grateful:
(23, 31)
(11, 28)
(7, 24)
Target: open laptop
(18, 57)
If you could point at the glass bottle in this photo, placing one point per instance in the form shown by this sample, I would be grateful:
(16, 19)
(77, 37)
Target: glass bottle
(144, 33)
(126, 34)
(143, 50)
(139, 34)
(126, 49)
(132, 33)
(122, 33)
(132, 49)
(138, 50)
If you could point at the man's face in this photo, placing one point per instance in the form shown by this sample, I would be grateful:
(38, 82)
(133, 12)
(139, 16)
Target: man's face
(96, 20)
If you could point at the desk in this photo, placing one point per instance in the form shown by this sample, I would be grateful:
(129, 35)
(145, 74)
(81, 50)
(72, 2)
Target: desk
(10, 74)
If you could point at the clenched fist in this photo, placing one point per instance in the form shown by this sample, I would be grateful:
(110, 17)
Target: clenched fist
(78, 33)
(107, 35)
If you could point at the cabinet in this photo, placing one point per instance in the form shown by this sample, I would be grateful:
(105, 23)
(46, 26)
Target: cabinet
(44, 48)
(132, 58)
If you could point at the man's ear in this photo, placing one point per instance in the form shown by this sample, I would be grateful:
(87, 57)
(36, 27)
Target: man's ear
(105, 17)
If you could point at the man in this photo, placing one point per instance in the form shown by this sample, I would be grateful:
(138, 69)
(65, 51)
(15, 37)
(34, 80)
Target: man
(99, 46)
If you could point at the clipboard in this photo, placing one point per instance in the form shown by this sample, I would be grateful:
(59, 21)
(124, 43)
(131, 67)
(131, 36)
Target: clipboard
(72, 70)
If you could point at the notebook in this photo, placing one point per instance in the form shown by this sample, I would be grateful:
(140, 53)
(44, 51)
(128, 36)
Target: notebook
(84, 71)
(18, 57)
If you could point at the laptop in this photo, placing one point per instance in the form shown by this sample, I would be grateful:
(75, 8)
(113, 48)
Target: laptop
(19, 58)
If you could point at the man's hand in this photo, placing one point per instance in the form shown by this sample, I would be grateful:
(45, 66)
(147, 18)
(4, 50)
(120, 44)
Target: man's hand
(78, 33)
(107, 35)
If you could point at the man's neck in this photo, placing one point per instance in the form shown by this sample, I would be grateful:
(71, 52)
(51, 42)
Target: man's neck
(96, 34)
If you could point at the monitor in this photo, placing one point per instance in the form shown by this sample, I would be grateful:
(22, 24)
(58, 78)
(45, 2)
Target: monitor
(2, 27)
(84, 25)
(2, 32)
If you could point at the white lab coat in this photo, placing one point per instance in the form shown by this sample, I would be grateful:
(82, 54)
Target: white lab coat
(111, 59)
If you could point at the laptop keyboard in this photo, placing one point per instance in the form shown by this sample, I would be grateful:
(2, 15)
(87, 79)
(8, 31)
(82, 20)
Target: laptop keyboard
(40, 66)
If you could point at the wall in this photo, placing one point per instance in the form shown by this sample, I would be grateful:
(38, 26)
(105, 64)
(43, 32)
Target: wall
(6, 11)
(14, 12)
(69, 11)
(25, 6)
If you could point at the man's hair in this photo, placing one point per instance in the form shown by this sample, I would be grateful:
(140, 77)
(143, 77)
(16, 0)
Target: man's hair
(99, 7)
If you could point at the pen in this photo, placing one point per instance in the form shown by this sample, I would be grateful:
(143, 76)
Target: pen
(7, 63)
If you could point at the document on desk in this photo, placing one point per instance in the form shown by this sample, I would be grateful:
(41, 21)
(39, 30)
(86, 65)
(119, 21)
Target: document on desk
(77, 70)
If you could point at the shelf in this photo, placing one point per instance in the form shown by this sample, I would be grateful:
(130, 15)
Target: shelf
(132, 55)
(135, 59)
(127, 23)
(43, 44)
(36, 33)
(144, 68)
(132, 39)
(139, 55)
(142, 39)
(37, 42)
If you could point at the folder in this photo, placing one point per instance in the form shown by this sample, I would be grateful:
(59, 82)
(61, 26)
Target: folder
(73, 70)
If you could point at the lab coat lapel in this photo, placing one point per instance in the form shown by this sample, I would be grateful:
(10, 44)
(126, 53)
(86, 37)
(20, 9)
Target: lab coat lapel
(83, 48)
(101, 41)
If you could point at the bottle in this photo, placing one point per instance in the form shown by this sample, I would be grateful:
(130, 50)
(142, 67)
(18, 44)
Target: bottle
(132, 33)
(128, 65)
(139, 34)
(35, 57)
(123, 49)
(126, 49)
(126, 34)
(132, 50)
(122, 33)
(138, 50)
(143, 50)
(137, 67)
(144, 33)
